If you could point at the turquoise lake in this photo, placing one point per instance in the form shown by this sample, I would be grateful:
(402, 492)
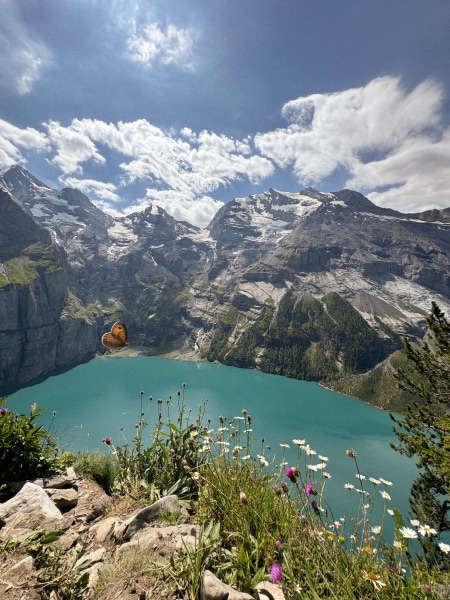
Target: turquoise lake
(98, 398)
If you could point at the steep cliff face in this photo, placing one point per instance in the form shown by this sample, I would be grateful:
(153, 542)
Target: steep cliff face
(35, 339)
(67, 271)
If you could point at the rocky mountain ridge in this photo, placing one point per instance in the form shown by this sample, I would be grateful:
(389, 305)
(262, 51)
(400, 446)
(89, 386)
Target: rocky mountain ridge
(193, 292)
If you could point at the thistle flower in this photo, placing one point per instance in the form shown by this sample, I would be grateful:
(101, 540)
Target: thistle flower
(310, 490)
(3, 410)
(276, 573)
(107, 441)
(291, 474)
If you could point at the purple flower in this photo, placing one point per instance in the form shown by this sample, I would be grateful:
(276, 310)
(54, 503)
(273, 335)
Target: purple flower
(276, 573)
(315, 507)
(284, 487)
(290, 474)
(108, 441)
(3, 410)
(310, 489)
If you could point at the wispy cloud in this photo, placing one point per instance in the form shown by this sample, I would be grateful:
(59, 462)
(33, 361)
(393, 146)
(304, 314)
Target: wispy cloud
(26, 55)
(169, 46)
(382, 135)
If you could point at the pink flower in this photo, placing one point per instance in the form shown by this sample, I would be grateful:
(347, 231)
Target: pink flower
(291, 474)
(276, 573)
(310, 490)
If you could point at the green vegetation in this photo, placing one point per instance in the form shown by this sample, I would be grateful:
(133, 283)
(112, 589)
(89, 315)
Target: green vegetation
(378, 386)
(424, 430)
(33, 260)
(305, 338)
(257, 519)
(26, 449)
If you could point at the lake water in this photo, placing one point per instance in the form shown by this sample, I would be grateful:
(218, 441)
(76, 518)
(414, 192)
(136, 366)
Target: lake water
(97, 399)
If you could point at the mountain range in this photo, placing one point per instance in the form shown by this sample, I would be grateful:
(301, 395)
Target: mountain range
(319, 286)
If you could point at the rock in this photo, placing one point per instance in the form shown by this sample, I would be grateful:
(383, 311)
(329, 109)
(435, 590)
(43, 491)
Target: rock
(20, 572)
(147, 515)
(162, 540)
(63, 499)
(103, 530)
(30, 499)
(58, 481)
(214, 589)
(267, 589)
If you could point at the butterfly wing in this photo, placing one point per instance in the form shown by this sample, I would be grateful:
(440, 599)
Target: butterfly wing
(116, 338)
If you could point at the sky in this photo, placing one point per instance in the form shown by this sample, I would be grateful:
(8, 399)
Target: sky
(188, 104)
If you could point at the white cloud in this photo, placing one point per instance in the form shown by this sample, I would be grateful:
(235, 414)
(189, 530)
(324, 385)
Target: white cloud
(102, 191)
(73, 146)
(381, 134)
(199, 211)
(12, 139)
(26, 55)
(172, 46)
(178, 169)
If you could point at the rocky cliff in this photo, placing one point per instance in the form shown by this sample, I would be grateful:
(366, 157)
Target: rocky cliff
(68, 271)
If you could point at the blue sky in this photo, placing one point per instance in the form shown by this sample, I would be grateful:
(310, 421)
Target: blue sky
(190, 103)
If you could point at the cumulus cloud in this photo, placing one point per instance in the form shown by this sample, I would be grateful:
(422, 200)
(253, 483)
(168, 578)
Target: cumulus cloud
(389, 141)
(26, 54)
(178, 169)
(106, 192)
(199, 211)
(172, 46)
(14, 140)
(381, 134)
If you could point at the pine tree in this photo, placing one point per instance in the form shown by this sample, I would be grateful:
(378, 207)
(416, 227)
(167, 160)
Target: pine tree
(424, 429)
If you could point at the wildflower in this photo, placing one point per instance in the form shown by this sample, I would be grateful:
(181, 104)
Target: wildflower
(195, 475)
(398, 545)
(427, 531)
(246, 457)
(391, 512)
(324, 458)
(263, 461)
(285, 445)
(310, 490)
(310, 452)
(408, 533)
(375, 579)
(276, 573)
(312, 467)
(276, 488)
(326, 475)
(284, 487)
(321, 466)
(248, 430)
(315, 507)
(444, 547)
(349, 486)
(374, 481)
(107, 441)
(291, 474)
(385, 495)
(3, 410)
(376, 529)
(386, 482)
(415, 523)
(351, 453)
(299, 442)
(243, 498)
(279, 545)
(360, 477)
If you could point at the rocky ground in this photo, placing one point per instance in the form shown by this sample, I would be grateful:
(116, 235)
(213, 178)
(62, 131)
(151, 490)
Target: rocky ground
(123, 550)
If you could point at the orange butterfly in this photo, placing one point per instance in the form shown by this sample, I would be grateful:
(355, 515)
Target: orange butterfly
(116, 338)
